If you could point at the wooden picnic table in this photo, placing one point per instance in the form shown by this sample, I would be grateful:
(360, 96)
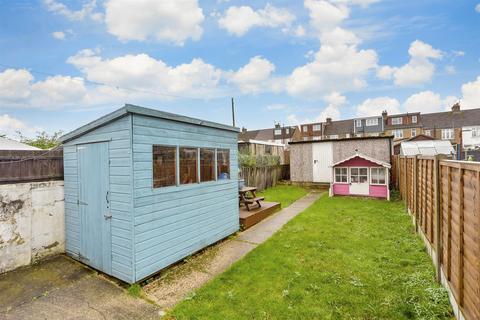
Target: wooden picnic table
(247, 197)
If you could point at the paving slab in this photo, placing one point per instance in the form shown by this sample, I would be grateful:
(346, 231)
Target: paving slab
(168, 290)
(61, 288)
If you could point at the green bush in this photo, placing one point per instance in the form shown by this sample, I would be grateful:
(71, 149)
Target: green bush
(250, 160)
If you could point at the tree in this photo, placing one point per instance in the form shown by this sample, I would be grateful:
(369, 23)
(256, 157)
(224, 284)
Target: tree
(42, 140)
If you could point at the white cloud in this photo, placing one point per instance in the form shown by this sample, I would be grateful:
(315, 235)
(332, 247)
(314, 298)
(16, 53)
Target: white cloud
(425, 102)
(335, 100)
(142, 72)
(10, 125)
(418, 70)
(15, 86)
(477, 7)
(59, 35)
(324, 15)
(256, 76)
(239, 20)
(169, 21)
(450, 69)
(375, 106)
(471, 94)
(362, 3)
(276, 107)
(88, 10)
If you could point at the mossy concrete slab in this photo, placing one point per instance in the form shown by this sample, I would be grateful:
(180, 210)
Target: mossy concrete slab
(61, 288)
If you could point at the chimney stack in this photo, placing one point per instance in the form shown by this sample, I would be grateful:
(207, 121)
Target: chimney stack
(244, 129)
(329, 120)
(384, 114)
(456, 107)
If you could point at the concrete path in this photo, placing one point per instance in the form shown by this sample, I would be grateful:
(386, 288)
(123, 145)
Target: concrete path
(61, 288)
(182, 279)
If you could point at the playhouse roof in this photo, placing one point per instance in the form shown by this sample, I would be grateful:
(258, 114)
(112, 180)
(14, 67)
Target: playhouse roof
(128, 108)
(360, 155)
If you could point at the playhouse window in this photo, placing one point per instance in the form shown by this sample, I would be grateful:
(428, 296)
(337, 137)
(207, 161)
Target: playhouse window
(358, 175)
(188, 165)
(341, 175)
(377, 175)
(164, 166)
(223, 164)
(207, 165)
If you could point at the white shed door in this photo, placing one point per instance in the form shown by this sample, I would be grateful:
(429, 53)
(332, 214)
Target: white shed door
(322, 160)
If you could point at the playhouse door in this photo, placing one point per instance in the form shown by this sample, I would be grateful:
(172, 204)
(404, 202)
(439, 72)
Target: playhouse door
(94, 205)
(359, 181)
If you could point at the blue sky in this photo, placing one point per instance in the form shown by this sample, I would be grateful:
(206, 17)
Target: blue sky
(64, 63)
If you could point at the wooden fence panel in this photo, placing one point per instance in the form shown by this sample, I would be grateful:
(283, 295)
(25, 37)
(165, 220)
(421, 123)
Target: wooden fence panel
(262, 177)
(23, 166)
(444, 197)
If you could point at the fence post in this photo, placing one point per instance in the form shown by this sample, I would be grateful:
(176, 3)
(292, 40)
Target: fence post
(437, 214)
(461, 277)
(405, 175)
(415, 190)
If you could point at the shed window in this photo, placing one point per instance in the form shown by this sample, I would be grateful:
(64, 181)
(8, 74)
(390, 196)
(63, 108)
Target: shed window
(341, 175)
(164, 166)
(188, 165)
(207, 165)
(223, 163)
(377, 175)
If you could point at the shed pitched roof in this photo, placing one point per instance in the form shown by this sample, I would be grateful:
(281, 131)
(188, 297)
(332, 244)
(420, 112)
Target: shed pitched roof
(132, 109)
(7, 144)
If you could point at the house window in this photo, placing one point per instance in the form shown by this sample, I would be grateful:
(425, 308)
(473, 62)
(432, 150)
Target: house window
(358, 123)
(377, 175)
(358, 135)
(447, 134)
(305, 128)
(397, 121)
(207, 165)
(287, 131)
(414, 119)
(341, 175)
(348, 135)
(372, 122)
(476, 132)
(414, 132)
(428, 132)
(164, 166)
(358, 175)
(317, 138)
(305, 138)
(188, 165)
(278, 132)
(317, 127)
(334, 136)
(397, 134)
(223, 163)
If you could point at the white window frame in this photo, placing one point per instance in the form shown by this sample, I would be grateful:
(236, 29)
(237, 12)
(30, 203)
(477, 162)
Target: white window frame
(278, 132)
(448, 134)
(371, 122)
(287, 130)
(347, 135)
(397, 120)
(384, 175)
(414, 119)
(334, 136)
(304, 128)
(358, 175)
(335, 175)
(358, 123)
(317, 127)
(475, 132)
(395, 135)
(428, 132)
(413, 132)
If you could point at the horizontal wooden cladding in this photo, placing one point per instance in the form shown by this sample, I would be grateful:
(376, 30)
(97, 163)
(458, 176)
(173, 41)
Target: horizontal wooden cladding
(459, 214)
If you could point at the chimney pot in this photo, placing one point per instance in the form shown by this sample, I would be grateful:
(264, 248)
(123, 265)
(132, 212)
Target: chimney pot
(456, 107)
(329, 120)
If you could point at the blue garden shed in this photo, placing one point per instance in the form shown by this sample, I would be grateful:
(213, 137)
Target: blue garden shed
(145, 188)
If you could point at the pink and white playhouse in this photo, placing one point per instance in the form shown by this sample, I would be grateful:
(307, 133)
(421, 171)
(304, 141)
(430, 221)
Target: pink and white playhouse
(360, 175)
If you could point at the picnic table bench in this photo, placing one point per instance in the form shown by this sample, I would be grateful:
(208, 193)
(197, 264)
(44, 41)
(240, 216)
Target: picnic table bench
(247, 197)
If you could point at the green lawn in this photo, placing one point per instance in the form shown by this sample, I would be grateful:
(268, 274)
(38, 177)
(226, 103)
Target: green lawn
(342, 258)
(285, 194)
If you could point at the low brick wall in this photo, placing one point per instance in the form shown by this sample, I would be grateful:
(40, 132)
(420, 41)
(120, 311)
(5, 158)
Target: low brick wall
(31, 222)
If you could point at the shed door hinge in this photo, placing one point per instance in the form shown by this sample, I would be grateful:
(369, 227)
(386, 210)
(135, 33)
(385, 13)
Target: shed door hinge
(81, 202)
